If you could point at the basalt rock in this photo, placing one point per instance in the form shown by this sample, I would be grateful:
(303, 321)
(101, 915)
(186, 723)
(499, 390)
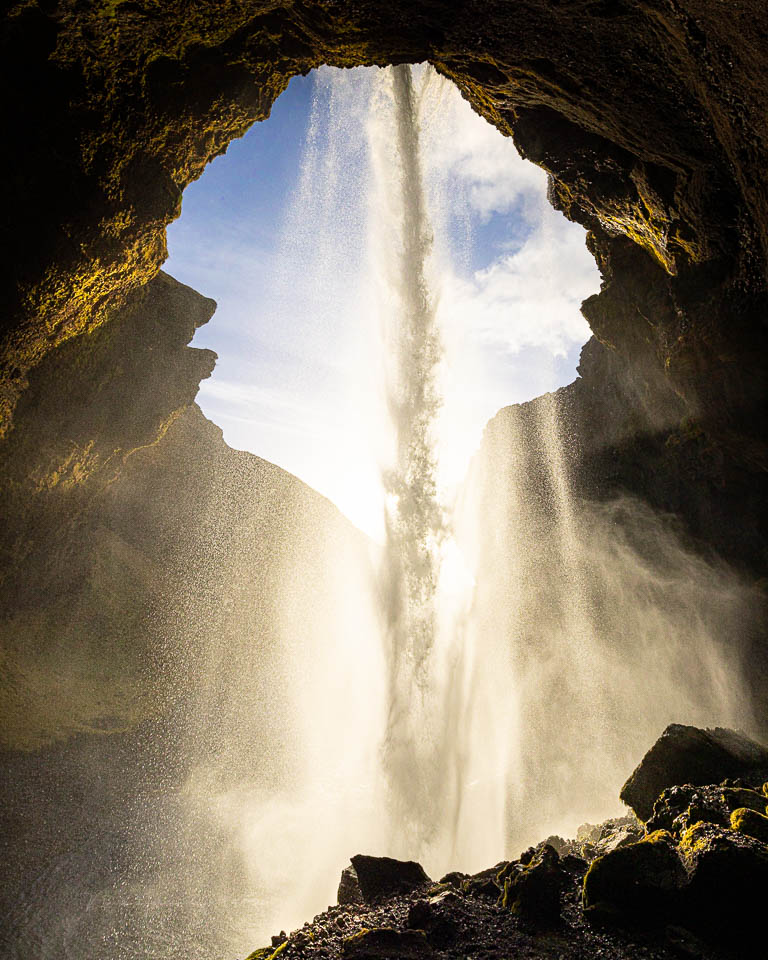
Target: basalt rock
(727, 878)
(384, 877)
(679, 808)
(483, 884)
(639, 883)
(595, 840)
(752, 822)
(349, 888)
(688, 755)
(384, 943)
(542, 920)
(435, 917)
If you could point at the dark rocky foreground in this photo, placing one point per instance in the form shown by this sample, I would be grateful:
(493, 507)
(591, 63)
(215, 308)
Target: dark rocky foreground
(688, 882)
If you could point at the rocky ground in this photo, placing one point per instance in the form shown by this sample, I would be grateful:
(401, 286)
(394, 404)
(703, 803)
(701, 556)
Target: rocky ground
(688, 882)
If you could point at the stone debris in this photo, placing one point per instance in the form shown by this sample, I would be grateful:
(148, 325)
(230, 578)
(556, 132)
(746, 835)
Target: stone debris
(689, 882)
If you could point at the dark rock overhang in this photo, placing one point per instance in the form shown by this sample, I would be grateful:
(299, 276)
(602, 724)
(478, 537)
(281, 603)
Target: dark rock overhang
(649, 117)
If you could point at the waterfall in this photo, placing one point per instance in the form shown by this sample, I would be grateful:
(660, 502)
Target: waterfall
(440, 738)
(414, 522)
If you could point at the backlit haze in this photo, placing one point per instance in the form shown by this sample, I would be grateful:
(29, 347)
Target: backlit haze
(277, 232)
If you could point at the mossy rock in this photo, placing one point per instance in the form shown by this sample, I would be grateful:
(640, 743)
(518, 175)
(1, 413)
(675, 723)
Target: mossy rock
(481, 887)
(532, 891)
(267, 953)
(640, 882)
(728, 876)
(384, 877)
(680, 808)
(751, 822)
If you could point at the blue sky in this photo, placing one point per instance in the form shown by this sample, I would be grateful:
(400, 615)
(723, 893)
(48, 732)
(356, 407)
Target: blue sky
(278, 232)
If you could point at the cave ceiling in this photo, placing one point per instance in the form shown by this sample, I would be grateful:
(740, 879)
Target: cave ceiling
(649, 117)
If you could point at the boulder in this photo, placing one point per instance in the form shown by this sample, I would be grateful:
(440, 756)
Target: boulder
(638, 882)
(689, 755)
(575, 866)
(532, 891)
(384, 877)
(420, 915)
(483, 884)
(455, 878)
(724, 898)
(349, 887)
(383, 943)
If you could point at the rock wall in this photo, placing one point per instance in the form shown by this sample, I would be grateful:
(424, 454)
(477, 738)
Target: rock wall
(132, 534)
(649, 119)
(165, 598)
(648, 116)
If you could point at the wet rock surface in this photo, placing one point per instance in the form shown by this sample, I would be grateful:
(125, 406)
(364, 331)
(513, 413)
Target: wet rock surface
(679, 808)
(532, 890)
(702, 864)
(642, 879)
(349, 887)
(724, 897)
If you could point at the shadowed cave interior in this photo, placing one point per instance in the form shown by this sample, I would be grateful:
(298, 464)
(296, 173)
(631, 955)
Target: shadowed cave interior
(141, 555)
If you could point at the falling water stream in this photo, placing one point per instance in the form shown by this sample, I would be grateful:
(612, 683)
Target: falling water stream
(425, 588)
(415, 522)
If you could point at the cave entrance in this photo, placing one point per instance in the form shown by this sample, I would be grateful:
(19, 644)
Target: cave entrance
(279, 232)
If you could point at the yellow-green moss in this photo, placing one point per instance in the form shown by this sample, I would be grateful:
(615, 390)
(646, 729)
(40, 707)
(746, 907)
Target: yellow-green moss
(637, 876)
(267, 953)
(750, 822)
(696, 838)
(360, 935)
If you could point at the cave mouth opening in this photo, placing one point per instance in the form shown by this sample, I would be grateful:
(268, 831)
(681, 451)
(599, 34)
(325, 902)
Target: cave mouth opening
(301, 234)
(281, 232)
